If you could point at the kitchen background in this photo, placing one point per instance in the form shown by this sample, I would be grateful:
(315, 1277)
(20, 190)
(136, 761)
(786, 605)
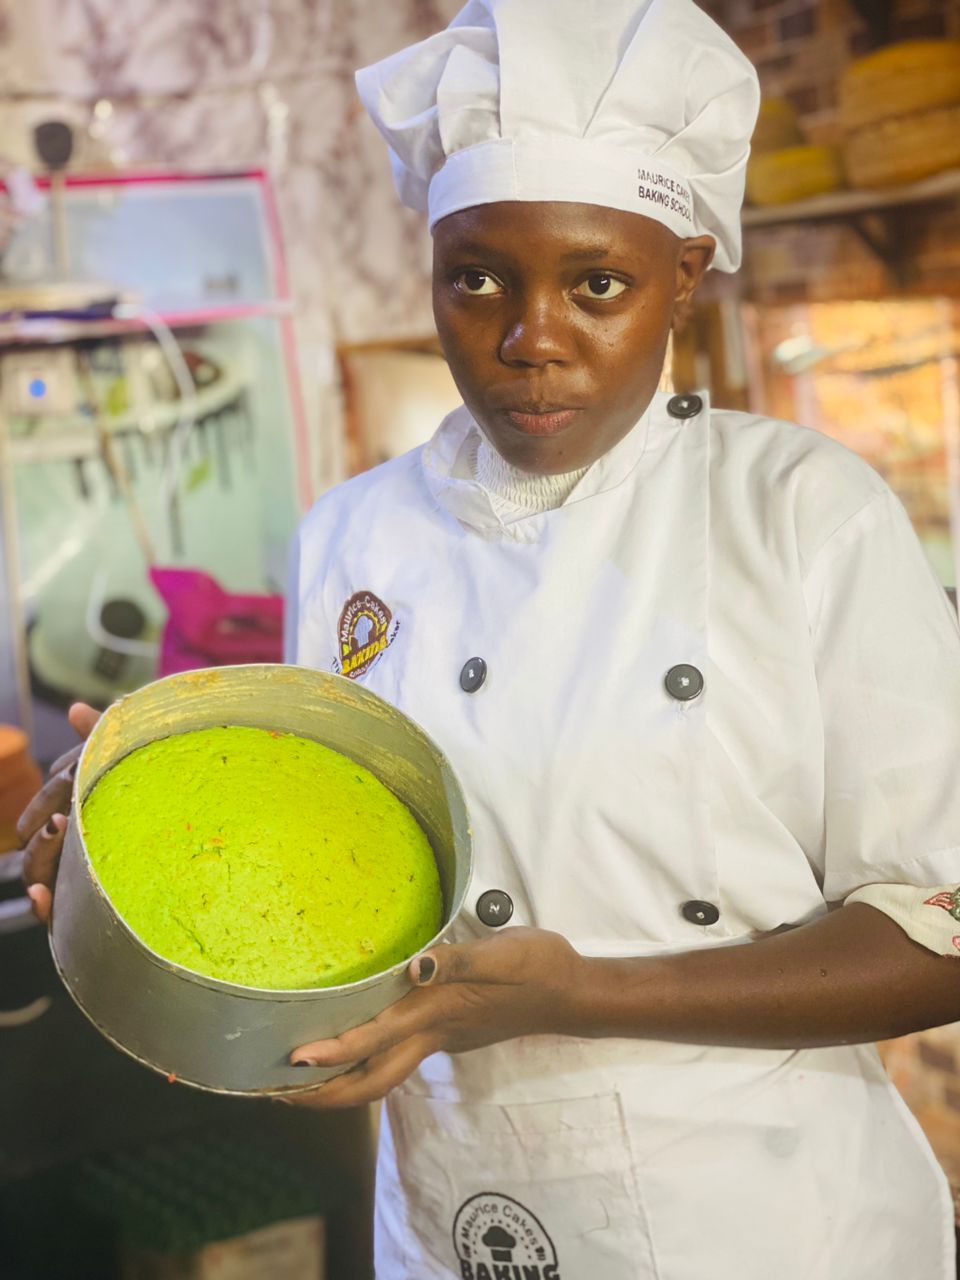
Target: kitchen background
(244, 214)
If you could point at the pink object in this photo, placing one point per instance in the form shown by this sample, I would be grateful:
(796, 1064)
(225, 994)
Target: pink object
(209, 627)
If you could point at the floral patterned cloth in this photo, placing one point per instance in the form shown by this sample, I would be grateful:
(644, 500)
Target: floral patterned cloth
(931, 916)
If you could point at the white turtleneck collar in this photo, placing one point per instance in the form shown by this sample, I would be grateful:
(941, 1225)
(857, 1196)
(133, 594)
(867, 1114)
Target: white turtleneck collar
(452, 471)
(513, 492)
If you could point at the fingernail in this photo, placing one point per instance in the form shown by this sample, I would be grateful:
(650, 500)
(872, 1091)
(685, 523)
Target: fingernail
(426, 970)
(51, 829)
(303, 1062)
(40, 900)
(72, 771)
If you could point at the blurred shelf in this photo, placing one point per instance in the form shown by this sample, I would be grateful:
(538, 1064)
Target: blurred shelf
(26, 331)
(73, 437)
(840, 205)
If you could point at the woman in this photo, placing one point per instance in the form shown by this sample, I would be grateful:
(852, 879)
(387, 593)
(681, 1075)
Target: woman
(701, 688)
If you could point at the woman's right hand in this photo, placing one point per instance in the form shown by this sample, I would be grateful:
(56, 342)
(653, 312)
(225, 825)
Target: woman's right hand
(43, 822)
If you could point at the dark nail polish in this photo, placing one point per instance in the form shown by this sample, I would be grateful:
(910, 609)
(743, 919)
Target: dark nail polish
(428, 967)
(72, 771)
(50, 829)
(301, 1063)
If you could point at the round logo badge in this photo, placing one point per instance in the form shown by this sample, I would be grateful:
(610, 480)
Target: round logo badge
(366, 628)
(498, 1238)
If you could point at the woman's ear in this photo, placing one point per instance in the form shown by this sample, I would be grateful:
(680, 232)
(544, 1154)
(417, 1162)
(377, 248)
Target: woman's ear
(693, 263)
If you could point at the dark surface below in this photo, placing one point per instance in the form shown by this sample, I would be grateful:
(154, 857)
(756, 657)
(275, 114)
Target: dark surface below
(68, 1095)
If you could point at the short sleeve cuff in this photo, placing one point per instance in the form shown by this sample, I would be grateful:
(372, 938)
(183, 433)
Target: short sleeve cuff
(930, 915)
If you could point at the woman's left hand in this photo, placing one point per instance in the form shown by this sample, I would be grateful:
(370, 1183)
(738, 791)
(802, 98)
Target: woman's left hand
(519, 982)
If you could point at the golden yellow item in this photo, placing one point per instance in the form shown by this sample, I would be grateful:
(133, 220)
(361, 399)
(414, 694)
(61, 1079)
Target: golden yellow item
(777, 127)
(904, 78)
(796, 173)
(905, 149)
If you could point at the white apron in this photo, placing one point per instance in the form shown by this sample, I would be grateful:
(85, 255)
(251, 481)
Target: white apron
(615, 807)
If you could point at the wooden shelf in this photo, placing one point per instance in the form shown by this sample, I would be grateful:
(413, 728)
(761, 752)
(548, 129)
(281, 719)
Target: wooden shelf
(841, 205)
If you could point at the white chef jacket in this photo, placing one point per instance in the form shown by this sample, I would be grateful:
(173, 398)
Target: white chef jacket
(817, 758)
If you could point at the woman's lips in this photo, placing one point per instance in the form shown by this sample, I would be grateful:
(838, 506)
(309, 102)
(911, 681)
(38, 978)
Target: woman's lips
(542, 424)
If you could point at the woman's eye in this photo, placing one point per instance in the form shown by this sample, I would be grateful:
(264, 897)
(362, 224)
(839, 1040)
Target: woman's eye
(600, 285)
(477, 283)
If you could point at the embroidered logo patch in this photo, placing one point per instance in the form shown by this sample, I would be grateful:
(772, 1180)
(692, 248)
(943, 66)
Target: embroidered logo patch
(497, 1238)
(366, 628)
(949, 901)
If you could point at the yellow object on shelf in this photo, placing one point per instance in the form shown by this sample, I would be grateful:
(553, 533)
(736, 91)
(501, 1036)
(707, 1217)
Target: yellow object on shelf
(794, 173)
(905, 149)
(904, 78)
(777, 127)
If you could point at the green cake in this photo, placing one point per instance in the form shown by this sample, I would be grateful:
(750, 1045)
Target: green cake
(262, 858)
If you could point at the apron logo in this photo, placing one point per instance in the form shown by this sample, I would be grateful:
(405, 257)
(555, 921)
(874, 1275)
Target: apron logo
(366, 628)
(497, 1238)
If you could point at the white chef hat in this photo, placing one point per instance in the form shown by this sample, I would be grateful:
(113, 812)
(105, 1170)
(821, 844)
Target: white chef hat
(643, 105)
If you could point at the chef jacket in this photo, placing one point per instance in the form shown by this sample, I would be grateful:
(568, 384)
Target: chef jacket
(714, 693)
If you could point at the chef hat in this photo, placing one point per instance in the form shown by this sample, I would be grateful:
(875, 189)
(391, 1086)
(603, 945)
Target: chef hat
(643, 105)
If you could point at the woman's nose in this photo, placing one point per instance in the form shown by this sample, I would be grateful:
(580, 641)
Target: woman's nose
(537, 335)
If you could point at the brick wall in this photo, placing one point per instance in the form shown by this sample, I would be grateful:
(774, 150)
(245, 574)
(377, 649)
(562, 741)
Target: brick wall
(800, 47)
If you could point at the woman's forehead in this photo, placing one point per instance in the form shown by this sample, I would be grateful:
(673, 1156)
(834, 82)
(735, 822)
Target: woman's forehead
(560, 228)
